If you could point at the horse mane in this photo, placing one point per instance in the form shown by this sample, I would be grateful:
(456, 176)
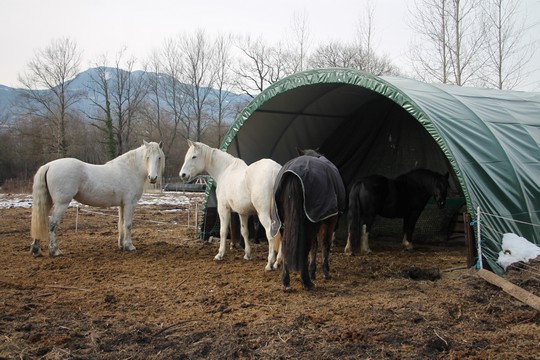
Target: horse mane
(209, 151)
(132, 157)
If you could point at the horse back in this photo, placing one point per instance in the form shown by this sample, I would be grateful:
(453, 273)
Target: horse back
(260, 178)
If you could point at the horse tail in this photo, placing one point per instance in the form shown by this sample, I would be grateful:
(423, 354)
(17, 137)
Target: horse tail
(41, 204)
(355, 215)
(294, 244)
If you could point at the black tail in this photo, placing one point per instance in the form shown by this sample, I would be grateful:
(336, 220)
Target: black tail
(295, 246)
(355, 215)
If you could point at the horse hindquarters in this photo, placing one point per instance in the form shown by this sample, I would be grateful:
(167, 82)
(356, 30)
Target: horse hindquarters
(41, 206)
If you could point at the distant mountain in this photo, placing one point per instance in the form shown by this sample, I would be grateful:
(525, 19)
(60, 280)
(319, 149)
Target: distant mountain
(85, 81)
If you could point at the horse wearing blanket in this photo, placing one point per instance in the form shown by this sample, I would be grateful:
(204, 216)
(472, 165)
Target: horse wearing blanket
(309, 195)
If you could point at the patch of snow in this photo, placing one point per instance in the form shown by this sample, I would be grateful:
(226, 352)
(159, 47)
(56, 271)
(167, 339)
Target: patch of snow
(10, 201)
(515, 249)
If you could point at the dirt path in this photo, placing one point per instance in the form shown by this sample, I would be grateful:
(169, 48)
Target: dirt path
(169, 299)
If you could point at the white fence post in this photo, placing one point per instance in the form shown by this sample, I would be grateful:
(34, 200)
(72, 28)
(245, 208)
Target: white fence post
(479, 239)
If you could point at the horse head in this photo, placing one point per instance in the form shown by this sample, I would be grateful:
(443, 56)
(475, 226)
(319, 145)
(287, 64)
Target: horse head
(194, 161)
(440, 190)
(155, 160)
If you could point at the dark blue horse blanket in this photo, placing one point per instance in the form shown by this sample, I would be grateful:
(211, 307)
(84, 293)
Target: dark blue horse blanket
(324, 192)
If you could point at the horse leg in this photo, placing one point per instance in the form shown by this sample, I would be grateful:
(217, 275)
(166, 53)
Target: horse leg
(265, 221)
(121, 227)
(127, 224)
(348, 248)
(35, 248)
(224, 220)
(307, 270)
(313, 259)
(57, 214)
(327, 242)
(364, 242)
(286, 278)
(277, 244)
(409, 223)
(305, 279)
(244, 230)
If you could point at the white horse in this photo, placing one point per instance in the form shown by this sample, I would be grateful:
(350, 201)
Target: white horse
(119, 182)
(247, 190)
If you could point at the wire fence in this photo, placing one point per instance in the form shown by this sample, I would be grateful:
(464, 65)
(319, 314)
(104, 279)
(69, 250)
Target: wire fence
(187, 207)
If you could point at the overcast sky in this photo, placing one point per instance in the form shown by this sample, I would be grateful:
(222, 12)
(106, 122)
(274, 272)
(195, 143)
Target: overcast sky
(105, 26)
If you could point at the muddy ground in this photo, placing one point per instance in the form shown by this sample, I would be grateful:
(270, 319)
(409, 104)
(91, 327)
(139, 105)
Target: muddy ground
(170, 300)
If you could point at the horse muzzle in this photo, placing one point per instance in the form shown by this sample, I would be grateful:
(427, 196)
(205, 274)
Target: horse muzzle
(185, 177)
(152, 180)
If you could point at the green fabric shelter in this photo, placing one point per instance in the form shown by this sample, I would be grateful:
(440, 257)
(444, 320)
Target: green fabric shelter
(489, 140)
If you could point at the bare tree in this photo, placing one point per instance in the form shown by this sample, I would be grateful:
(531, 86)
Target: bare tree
(254, 72)
(223, 84)
(450, 40)
(507, 50)
(200, 76)
(171, 57)
(301, 40)
(100, 96)
(118, 93)
(354, 56)
(52, 71)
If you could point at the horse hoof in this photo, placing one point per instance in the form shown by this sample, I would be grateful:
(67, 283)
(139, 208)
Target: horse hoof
(269, 267)
(218, 257)
(56, 253)
(287, 288)
(309, 286)
(36, 252)
(247, 257)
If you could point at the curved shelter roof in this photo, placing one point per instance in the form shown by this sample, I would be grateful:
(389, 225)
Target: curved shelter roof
(488, 139)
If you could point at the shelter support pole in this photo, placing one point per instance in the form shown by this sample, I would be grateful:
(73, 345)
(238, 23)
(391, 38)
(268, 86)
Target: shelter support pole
(469, 240)
(511, 289)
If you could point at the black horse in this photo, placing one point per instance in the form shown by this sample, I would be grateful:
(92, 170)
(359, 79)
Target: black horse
(309, 195)
(404, 197)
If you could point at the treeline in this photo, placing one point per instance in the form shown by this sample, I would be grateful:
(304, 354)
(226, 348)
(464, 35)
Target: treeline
(185, 91)
(185, 87)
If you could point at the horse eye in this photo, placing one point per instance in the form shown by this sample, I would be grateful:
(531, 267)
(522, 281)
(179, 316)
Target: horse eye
(194, 157)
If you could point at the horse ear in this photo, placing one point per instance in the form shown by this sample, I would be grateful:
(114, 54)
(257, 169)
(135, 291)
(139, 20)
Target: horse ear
(190, 143)
(145, 143)
(161, 144)
(300, 151)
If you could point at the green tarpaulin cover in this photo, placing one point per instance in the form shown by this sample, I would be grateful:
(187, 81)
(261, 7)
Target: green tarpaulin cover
(489, 140)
